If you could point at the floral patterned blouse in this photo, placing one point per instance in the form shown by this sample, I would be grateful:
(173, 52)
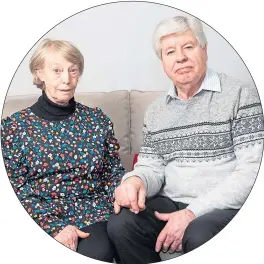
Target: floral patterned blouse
(63, 172)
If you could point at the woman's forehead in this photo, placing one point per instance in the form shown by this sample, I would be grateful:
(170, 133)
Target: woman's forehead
(56, 57)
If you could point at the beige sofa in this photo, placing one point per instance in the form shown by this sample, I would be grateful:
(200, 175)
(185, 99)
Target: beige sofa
(125, 109)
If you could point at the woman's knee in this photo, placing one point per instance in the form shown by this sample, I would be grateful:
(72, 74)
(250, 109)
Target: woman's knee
(103, 250)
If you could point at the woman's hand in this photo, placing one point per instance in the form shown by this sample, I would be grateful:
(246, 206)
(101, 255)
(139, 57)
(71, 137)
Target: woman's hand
(69, 236)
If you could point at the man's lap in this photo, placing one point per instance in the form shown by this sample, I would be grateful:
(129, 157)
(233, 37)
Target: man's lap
(210, 223)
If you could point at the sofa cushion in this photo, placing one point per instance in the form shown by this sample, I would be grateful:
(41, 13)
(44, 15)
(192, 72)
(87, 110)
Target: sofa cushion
(127, 161)
(139, 102)
(13, 104)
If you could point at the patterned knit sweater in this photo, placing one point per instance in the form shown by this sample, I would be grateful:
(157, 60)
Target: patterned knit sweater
(206, 151)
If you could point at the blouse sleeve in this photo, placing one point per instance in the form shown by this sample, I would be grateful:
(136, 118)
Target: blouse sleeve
(14, 151)
(113, 169)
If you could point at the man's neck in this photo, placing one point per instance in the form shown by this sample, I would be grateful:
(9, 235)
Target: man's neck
(186, 91)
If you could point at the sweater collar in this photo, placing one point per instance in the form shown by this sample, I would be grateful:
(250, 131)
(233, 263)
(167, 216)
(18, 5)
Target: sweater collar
(49, 110)
(211, 82)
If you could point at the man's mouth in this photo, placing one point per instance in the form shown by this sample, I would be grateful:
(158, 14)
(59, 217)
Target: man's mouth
(184, 70)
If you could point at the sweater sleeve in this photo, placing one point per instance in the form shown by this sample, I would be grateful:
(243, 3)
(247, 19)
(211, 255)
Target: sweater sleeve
(112, 170)
(150, 166)
(14, 150)
(247, 135)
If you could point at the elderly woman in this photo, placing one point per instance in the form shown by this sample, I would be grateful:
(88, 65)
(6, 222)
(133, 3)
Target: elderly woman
(62, 157)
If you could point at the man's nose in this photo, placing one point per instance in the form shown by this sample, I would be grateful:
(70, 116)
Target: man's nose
(180, 56)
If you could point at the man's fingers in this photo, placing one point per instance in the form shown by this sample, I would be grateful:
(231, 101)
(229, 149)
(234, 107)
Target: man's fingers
(133, 199)
(179, 249)
(163, 217)
(168, 242)
(174, 247)
(142, 198)
(121, 197)
(161, 238)
(82, 234)
(116, 208)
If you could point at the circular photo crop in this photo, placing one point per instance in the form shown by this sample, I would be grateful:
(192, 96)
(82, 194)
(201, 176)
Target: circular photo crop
(131, 138)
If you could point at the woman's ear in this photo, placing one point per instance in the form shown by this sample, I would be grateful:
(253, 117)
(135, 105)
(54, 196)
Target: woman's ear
(39, 74)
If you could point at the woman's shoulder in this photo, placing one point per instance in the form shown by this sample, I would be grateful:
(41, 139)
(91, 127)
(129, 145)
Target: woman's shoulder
(90, 111)
(16, 118)
(95, 113)
(13, 126)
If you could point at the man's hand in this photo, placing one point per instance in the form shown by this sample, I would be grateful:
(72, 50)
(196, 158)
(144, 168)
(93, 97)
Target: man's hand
(170, 238)
(131, 194)
(69, 236)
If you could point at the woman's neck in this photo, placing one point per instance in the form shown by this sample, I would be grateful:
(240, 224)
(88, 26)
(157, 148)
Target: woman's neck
(49, 110)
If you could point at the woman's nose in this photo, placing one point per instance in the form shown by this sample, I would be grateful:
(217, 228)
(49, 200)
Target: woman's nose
(65, 77)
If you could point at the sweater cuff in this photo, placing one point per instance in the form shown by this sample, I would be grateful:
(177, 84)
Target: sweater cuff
(198, 209)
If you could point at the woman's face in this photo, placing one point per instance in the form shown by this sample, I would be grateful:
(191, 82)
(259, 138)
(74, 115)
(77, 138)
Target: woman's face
(60, 77)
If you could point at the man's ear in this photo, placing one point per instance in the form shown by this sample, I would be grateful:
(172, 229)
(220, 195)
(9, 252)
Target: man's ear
(39, 74)
(205, 50)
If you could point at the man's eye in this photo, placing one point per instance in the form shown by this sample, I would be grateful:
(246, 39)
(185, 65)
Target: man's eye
(188, 47)
(170, 52)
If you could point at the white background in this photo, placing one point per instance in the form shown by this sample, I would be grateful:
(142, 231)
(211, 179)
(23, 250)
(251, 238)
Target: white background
(23, 23)
(116, 41)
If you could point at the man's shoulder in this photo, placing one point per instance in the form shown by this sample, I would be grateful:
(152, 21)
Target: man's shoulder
(158, 103)
(229, 83)
(236, 92)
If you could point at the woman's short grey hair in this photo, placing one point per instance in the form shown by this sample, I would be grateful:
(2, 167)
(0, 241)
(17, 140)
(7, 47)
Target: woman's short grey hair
(68, 51)
(178, 24)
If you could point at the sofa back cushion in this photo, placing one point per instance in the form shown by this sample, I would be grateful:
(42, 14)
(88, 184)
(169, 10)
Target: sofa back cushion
(139, 102)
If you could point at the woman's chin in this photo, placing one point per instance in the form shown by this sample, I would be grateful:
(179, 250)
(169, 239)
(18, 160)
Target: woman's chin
(63, 100)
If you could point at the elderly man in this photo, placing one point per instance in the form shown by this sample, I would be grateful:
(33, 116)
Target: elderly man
(201, 153)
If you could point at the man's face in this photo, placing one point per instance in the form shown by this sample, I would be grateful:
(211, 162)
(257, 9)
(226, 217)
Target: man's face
(183, 59)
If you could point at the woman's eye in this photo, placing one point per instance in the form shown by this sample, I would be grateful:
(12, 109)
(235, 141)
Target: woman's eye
(57, 71)
(73, 71)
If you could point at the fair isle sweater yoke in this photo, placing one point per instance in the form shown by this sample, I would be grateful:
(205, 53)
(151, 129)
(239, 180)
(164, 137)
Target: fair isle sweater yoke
(206, 151)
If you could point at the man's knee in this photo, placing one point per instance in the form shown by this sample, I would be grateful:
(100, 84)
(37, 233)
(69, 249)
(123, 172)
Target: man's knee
(196, 234)
(205, 227)
(121, 224)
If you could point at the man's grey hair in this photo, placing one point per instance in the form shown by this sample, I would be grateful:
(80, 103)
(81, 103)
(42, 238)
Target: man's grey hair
(178, 25)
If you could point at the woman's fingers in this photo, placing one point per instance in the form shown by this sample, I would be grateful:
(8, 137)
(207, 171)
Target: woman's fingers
(82, 234)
